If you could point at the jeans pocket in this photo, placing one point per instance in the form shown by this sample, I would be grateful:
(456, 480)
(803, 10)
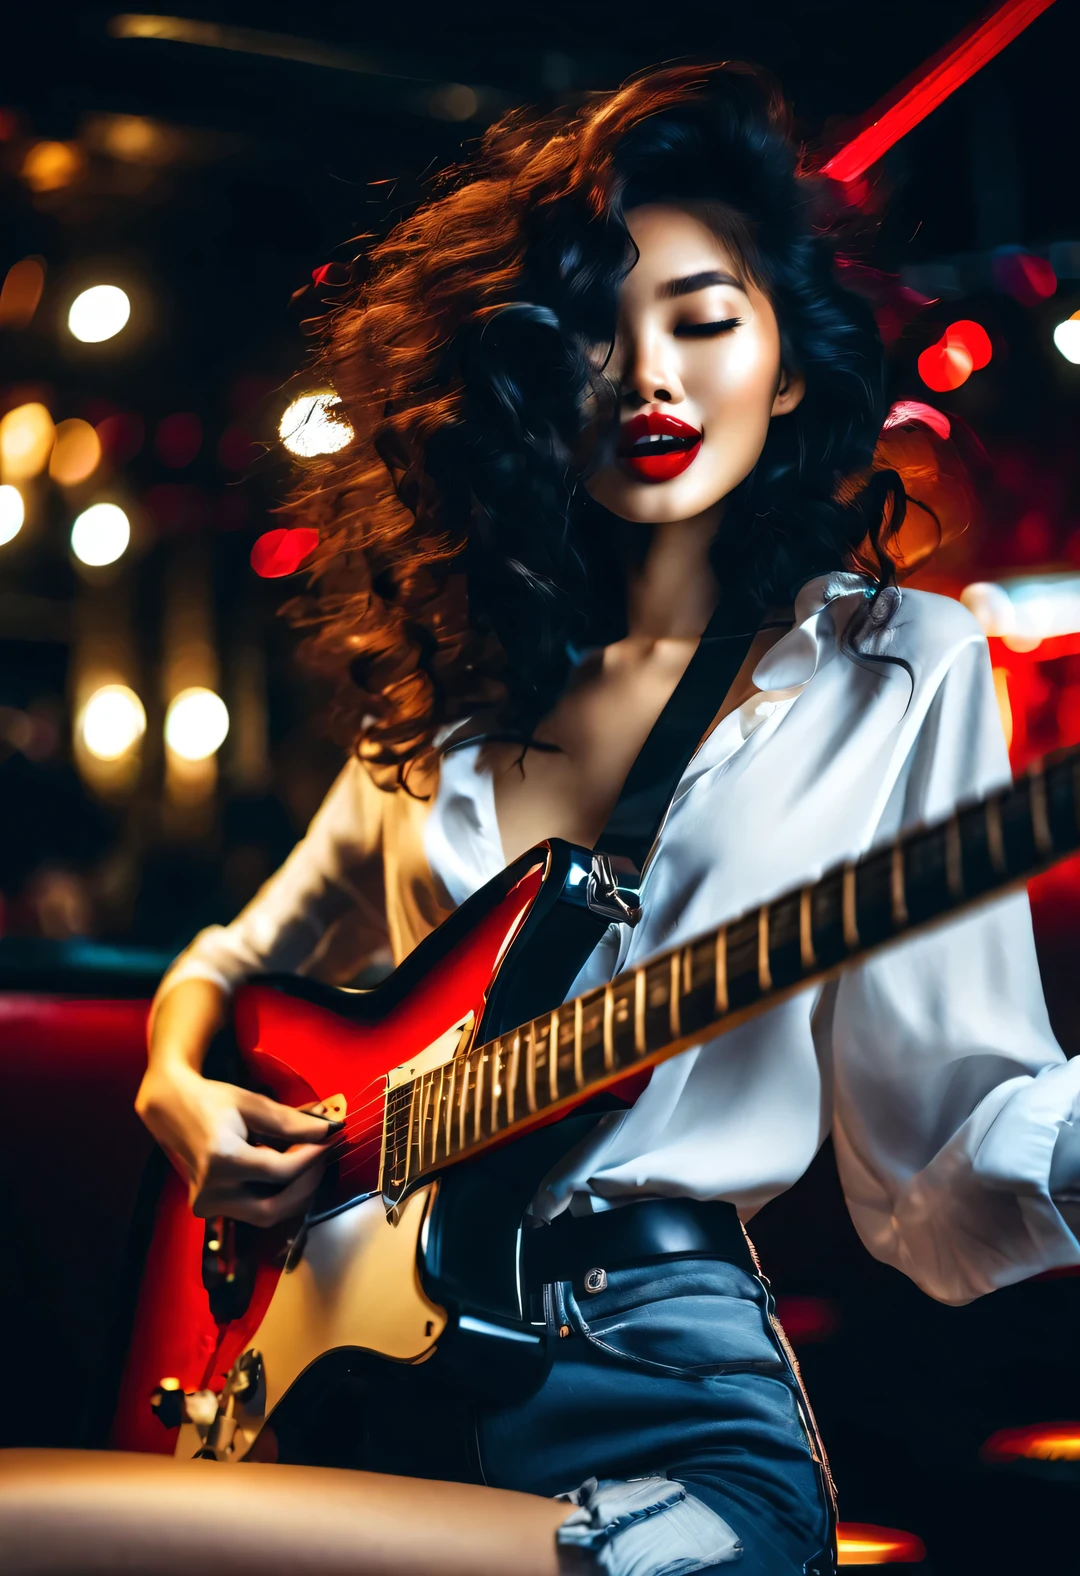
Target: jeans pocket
(693, 1320)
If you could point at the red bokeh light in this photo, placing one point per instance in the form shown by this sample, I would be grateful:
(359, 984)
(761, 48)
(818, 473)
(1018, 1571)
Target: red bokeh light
(907, 412)
(973, 339)
(178, 439)
(1033, 539)
(121, 436)
(236, 449)
(1036, 1442)
(1027, 279)
(177, 506)
(859, 1543)
(807, 1319)
(281, 552)
(231, 510)
(943, 367)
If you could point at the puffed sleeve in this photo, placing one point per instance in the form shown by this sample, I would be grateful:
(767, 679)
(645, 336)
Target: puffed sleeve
(950, 1091)
(315, 915)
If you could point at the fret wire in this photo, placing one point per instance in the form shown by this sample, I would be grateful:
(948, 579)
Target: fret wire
(898, 887)
(496, 1083)
(1040, 820)
(553, 1055)
(436, 1117)
(720, 972)
(478, 1096)
(426, 1082)
(450, 1106)
(764, 971)
(640, 1042)
(807, 955)
(674, 1001)
(428, 1119)
(954, 858)
(530, 1067)
(463, 1100)
(515, 1064)
(609, 1029)
(995, 838)
(409, 1130)
(851, 925)
(579, 1075)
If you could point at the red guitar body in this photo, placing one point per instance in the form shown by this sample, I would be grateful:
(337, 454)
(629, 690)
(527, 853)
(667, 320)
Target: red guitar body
(510, 952)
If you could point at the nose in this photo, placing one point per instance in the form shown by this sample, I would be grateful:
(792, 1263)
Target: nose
(650, 373)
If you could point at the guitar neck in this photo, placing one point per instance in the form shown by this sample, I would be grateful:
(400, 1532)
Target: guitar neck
(709, 985)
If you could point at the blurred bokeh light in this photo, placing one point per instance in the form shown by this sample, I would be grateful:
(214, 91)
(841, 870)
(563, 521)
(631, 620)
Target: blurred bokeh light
(860, 1544)
(1067, 338)
(1028, 279)
(112, 722)
(21, 292)
(76, 453)
(178, 439)
(99, 313)
(26, 439)
(281, 552)
(196, 724)
(100, 534)
(313, 424)
(12, 513)
(50, 166)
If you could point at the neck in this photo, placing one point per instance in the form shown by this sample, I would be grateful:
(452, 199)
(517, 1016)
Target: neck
(672, 594)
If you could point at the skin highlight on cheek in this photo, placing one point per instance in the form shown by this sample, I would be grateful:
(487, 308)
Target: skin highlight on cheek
(697, 371)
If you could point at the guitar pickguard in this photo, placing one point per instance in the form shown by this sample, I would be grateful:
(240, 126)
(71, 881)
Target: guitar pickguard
(355, 1285)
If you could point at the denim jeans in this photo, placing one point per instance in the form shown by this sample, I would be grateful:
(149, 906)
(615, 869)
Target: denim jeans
(673, 1369)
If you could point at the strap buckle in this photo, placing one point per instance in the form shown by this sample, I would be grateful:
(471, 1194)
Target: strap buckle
(612, 889)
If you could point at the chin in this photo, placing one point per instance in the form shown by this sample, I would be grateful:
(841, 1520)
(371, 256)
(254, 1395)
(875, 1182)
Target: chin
(656, 503)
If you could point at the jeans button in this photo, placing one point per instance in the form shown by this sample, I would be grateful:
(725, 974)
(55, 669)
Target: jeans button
(595, 1280)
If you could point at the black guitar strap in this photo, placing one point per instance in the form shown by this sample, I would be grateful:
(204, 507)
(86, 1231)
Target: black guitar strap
(652, 780)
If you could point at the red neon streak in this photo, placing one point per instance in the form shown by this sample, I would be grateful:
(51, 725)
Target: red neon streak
(920, 93)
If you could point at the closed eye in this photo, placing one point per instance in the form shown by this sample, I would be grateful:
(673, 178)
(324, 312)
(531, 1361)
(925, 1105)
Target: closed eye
(706, 330)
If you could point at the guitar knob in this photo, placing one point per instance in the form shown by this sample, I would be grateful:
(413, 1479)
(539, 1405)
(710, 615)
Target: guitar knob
(168, 1402)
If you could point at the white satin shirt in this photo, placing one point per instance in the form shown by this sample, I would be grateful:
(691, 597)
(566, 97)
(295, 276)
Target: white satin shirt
(933, 1065)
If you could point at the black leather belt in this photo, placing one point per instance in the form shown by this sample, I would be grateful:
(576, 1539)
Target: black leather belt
(655, 1228)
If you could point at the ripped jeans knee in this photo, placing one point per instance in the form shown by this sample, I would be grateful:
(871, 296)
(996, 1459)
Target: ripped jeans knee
(641, 1527)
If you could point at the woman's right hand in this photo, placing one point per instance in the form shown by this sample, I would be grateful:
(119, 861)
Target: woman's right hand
(207, 1129)
(210, 1130)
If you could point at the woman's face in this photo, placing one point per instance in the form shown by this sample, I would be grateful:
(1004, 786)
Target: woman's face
(696, 365)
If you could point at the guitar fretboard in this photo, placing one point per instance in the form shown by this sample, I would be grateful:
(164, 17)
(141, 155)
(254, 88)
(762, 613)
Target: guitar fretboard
(700, 989)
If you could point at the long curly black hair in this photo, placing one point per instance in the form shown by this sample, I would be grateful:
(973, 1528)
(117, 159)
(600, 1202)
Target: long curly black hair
(461, 560)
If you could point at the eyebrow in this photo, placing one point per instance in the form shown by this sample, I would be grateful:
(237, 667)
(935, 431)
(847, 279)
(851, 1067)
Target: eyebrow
(693, 282)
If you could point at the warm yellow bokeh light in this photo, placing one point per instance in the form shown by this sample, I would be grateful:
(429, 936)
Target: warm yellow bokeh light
(76, 454)
(51, 165)
(100, 534)
(99, 313)
(196, 724)
(313, 424)
(12, 513)
(1067, 338)
(112, 722)
(21, 293)
(26, 440)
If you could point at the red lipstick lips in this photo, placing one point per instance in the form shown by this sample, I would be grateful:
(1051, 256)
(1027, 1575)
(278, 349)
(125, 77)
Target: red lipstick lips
(656, 447)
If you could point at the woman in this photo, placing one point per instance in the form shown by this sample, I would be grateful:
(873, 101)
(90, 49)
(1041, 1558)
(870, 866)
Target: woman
(608, 375)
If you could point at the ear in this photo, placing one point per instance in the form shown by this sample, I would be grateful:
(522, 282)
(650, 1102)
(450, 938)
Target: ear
(789, 394)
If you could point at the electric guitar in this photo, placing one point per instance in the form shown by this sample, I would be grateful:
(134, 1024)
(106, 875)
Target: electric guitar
(411, 1253)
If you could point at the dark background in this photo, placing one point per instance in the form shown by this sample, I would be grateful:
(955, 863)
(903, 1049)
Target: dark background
(212, 182)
